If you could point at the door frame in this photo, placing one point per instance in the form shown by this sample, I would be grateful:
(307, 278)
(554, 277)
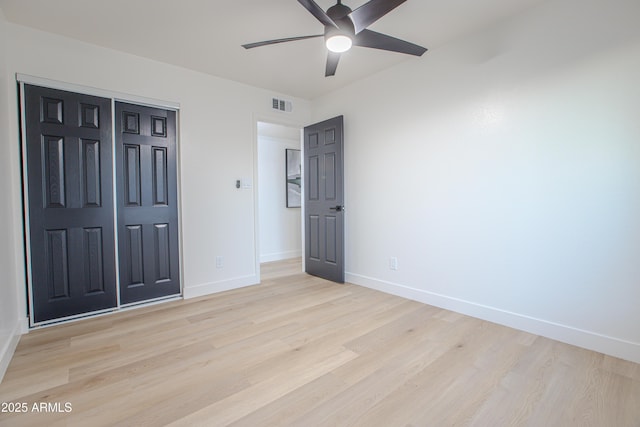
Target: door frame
(281, 121)
(22, 80)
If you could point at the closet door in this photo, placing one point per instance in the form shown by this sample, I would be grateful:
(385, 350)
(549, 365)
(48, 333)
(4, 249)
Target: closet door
(147, 203)
(69, 170)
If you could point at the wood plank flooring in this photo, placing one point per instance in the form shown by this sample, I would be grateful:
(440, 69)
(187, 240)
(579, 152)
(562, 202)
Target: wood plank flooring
(297, 350)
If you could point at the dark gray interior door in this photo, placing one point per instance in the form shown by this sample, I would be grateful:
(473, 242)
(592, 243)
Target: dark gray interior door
(324, 194)
(70, 202)
(147, 203)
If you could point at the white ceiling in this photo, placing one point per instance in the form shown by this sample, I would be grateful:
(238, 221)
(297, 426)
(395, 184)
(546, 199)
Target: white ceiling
(205, 35)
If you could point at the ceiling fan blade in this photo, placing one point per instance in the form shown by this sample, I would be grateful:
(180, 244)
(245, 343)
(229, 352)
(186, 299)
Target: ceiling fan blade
(368, 38)
(317, 11)
(332, 63)
(371, 11)
(289, 39)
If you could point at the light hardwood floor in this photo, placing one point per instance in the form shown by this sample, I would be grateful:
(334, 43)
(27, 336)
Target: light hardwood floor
(298, 350)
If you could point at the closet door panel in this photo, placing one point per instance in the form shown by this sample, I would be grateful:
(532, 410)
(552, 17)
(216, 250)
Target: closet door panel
(147, 202)
(69, 170)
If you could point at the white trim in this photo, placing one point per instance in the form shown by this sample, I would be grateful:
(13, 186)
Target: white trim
(586, 339)
(224, 285)
(93, 91)
(25, 201)
(24, 325)
(179, 202)
(148, 303)
(303, 233)
(279, 256)
(74, 317)
(114, 194)
(6, 353)
(256, 199)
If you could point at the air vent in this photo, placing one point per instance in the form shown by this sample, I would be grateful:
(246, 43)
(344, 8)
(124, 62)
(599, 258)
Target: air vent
(281, 105)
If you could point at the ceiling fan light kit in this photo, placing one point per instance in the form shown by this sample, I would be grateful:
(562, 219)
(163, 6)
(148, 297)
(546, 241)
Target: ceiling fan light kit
(344, 28)
(339, 43)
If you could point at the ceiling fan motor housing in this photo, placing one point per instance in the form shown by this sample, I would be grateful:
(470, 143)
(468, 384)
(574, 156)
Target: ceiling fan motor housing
(339, 14)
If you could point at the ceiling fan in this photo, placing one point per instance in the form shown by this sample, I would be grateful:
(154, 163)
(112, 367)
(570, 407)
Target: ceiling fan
(344, 28)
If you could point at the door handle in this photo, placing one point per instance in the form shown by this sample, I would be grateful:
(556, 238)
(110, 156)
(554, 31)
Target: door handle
(338, 208)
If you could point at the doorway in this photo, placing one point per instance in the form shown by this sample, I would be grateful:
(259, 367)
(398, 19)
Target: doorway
(279, 193)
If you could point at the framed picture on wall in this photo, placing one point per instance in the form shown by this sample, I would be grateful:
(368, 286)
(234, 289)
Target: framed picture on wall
(294, 178)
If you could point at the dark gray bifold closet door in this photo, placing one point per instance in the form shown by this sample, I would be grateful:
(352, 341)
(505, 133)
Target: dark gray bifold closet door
(147, 203)
(70, 203)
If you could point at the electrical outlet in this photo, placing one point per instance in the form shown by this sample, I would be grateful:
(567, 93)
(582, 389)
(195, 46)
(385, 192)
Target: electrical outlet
(219, 262)
(393, 263)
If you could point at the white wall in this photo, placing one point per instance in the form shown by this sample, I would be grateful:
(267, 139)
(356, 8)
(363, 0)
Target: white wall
(10, 320)
(503, 171)
(217, 146)
(280, 232)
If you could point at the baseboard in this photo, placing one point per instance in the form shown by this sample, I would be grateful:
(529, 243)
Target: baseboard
(215, 287)
(586, 339)
(6, 353)
(24, 326)
(279, 256)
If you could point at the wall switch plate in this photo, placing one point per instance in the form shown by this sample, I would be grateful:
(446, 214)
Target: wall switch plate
(247, 183)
